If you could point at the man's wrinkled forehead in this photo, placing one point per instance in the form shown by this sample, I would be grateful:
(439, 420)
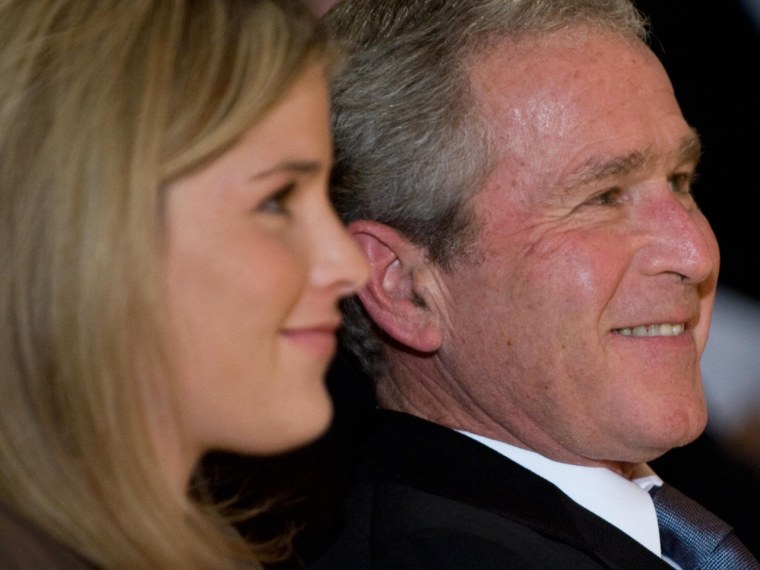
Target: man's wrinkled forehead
(544, 85)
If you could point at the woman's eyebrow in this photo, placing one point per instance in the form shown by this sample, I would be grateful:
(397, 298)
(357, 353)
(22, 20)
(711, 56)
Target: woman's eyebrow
(296, 166)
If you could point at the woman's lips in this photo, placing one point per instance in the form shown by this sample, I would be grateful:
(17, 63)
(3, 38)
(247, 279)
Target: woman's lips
(319, 341)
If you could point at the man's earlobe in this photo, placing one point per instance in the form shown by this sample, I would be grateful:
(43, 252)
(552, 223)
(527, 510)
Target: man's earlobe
(396, 294)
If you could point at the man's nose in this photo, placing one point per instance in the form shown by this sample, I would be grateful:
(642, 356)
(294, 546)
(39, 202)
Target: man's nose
(681, 240)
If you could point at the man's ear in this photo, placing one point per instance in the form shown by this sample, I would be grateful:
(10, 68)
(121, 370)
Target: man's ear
(402, 294)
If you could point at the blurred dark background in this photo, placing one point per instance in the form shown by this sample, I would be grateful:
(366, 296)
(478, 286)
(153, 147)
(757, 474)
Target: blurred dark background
(712, 53)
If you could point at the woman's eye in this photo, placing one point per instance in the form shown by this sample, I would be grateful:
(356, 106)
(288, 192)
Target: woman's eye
(276, 203)
(606, 198)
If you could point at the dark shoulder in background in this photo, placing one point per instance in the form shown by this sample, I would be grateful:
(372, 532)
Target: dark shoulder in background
(711, 51)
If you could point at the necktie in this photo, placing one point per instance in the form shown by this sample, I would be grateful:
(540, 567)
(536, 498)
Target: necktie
(695, 538)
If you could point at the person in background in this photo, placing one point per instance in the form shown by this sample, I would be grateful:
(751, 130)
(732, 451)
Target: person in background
(171, 269)
(541, 283)
(319, 7)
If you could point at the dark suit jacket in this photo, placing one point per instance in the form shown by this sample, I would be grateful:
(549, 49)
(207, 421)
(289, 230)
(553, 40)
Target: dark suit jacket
(23, 547)
(427, 497)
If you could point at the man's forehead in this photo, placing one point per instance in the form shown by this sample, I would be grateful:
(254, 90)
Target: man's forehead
(596, 95)
(549, 55)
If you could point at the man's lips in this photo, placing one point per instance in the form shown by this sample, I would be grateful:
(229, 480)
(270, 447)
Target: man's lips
(652, 330)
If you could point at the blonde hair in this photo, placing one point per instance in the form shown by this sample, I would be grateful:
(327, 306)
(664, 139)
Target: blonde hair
(102, 104)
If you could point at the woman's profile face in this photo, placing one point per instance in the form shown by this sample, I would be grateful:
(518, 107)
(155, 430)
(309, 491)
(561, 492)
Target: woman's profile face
(256, 262)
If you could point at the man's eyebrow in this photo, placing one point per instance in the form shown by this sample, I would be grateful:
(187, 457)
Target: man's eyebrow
(295, 167)
(597, 169)
(690, 150)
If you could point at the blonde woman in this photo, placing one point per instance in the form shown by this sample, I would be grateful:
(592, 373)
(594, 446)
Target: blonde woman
(171, 268)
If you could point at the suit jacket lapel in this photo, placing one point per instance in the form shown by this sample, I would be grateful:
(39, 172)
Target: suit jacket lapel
(441, 461)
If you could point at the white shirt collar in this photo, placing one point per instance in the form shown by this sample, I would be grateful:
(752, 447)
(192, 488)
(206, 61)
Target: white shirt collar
(623, 503)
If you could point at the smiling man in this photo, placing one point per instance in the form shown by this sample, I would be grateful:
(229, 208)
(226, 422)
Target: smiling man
(519, 173)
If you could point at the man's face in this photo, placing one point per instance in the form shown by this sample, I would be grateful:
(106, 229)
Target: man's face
(578, 331)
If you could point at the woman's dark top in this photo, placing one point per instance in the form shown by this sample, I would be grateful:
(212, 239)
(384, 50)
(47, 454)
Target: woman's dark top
(24, 547)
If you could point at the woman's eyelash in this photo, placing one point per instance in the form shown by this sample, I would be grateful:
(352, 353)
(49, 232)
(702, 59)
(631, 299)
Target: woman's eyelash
(276, 202)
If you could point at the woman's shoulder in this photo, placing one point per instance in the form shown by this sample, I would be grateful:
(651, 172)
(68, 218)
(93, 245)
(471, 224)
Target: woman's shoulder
(22, 546)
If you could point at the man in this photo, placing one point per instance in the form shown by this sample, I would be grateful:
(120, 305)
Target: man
(518, 173)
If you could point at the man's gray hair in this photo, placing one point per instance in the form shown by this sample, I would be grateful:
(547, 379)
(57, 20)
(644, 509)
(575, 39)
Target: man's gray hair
(411, 146)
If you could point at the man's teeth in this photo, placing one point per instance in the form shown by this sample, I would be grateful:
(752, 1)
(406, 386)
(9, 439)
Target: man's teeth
(664, 329)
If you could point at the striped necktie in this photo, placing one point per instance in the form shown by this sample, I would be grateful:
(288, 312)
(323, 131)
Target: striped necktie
(695, 538)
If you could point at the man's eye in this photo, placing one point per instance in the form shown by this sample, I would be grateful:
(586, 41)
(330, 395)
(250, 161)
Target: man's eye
(682, 182)
(608, 197)
(276, 203)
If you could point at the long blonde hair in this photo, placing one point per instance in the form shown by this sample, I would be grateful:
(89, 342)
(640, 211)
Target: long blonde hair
(102, 104)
